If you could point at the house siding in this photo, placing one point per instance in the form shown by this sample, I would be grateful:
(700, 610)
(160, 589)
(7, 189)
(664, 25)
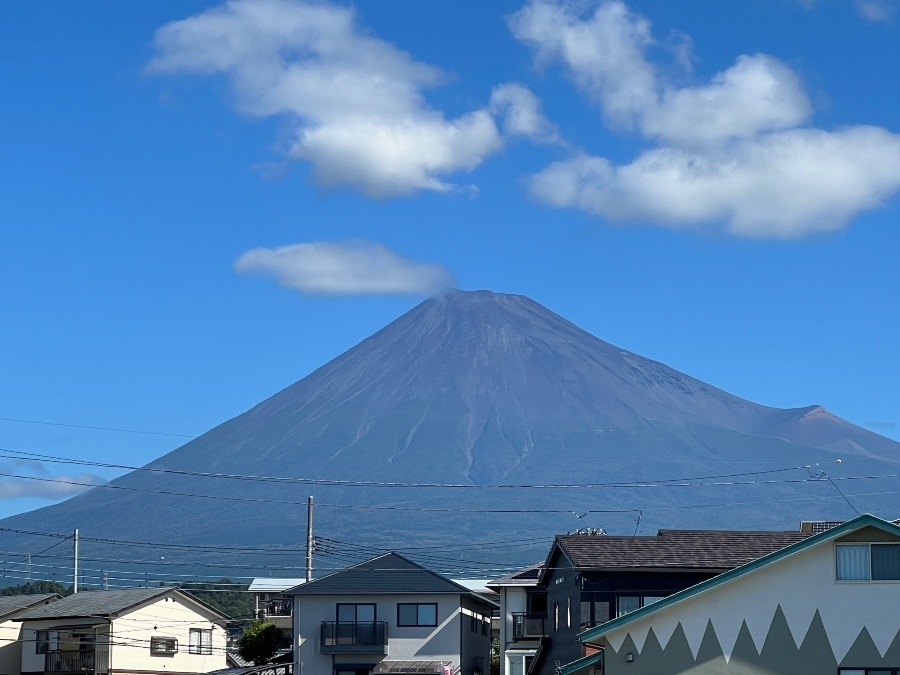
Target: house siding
(786, 618)
(441, 643)
(128, 639)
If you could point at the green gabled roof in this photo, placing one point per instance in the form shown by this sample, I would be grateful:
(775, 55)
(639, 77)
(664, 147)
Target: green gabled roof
(726, 577)
(581, 664)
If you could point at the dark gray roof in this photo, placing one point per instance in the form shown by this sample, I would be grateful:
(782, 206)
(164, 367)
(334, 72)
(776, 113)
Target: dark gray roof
(10, 604)
(687, 549)
(525, 576)
(390, 573)
(102, 603)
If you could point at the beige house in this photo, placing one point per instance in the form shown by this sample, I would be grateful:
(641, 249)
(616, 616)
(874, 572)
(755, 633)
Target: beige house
(12, 606)
(141, 630)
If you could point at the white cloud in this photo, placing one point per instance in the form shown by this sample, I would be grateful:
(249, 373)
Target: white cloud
(520, 111)
(881, 11)
(57, 487)
(346, 268)
(355, 101)
(733, 153)
(782, 185)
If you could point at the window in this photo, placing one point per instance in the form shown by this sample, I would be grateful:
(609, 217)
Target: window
(568, 612)
(200, 641)
(417, 614)
(537, 604)
(629, 603)
(867, 562)
(356, 613)
(163, 646)
(555, 616)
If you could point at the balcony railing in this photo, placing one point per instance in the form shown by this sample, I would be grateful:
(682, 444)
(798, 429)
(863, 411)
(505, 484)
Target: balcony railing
(75, 661)
(528, 626)
(354, 637)
(279, 608)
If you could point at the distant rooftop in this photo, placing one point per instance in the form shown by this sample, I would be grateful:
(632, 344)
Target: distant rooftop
(273, 585)
(685, 549)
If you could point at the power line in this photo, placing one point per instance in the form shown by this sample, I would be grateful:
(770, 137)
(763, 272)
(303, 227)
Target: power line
(93, 428)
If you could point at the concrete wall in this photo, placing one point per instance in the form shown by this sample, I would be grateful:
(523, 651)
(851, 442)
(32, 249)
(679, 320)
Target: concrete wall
(791, 617)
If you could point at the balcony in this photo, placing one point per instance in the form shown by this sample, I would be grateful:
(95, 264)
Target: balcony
(279, 607)
(528, 626)
(76, 661)
(354, 637)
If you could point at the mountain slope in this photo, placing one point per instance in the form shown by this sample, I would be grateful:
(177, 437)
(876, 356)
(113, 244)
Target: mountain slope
(474, 389)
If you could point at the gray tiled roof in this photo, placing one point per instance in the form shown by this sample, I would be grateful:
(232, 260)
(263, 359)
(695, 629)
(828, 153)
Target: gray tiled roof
(10, 604)
(390, 573)
(687, 549)
(94, 603)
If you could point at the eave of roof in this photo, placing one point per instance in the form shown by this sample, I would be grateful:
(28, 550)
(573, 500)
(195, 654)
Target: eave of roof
(724, 578)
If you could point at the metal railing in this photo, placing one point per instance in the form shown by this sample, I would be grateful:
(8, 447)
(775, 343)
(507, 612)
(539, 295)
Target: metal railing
(76, 661)
(279, 607)
(355, 636)
(528, 626)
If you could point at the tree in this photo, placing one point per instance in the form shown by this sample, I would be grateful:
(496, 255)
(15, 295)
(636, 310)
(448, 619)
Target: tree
(260, 642)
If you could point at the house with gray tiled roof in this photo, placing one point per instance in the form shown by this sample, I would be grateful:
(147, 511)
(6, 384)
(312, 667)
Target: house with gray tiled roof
(591, 578)
(824, 604)
(137, 630)
(390, 615)
(12, 606)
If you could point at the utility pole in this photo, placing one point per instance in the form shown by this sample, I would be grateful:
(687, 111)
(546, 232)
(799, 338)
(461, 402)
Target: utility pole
(105, 580)
(29, 567)
(309, 538)
(75, 569)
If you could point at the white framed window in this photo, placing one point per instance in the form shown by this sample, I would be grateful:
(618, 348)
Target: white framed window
(867, 562)
(200, 641)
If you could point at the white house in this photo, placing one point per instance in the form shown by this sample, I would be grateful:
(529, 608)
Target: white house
(389, 615)
(827, 604)
(12, 606)
(141, 630)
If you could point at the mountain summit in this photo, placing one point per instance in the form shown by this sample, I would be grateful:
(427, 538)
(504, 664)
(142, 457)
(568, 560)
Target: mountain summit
(484, 391)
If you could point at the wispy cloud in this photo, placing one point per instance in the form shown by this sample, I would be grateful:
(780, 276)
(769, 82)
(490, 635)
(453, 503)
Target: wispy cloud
(345, 268)
(520, 112)
(876, 11)
(355, 102)
(735, 152)
(46, 486)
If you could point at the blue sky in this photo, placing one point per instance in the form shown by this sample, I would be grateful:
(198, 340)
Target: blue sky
(201, 203)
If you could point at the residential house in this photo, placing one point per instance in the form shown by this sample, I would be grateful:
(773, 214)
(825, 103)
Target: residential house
(12, 606)
(389, 615)
(825, 604)
(522, 621)
(590, 578)
(274, 606)
(140, 630)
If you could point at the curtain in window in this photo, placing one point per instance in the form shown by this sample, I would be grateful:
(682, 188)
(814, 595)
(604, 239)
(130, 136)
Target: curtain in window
(886, 561)
(852, 562)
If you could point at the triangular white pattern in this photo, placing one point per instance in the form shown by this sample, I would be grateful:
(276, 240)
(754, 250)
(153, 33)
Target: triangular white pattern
(639, 636)
(841, 634)
(883, 634)
(758, 624)
(694, 625)
(616, 638)
(799, 617)
(665, 627)
(728, 626)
